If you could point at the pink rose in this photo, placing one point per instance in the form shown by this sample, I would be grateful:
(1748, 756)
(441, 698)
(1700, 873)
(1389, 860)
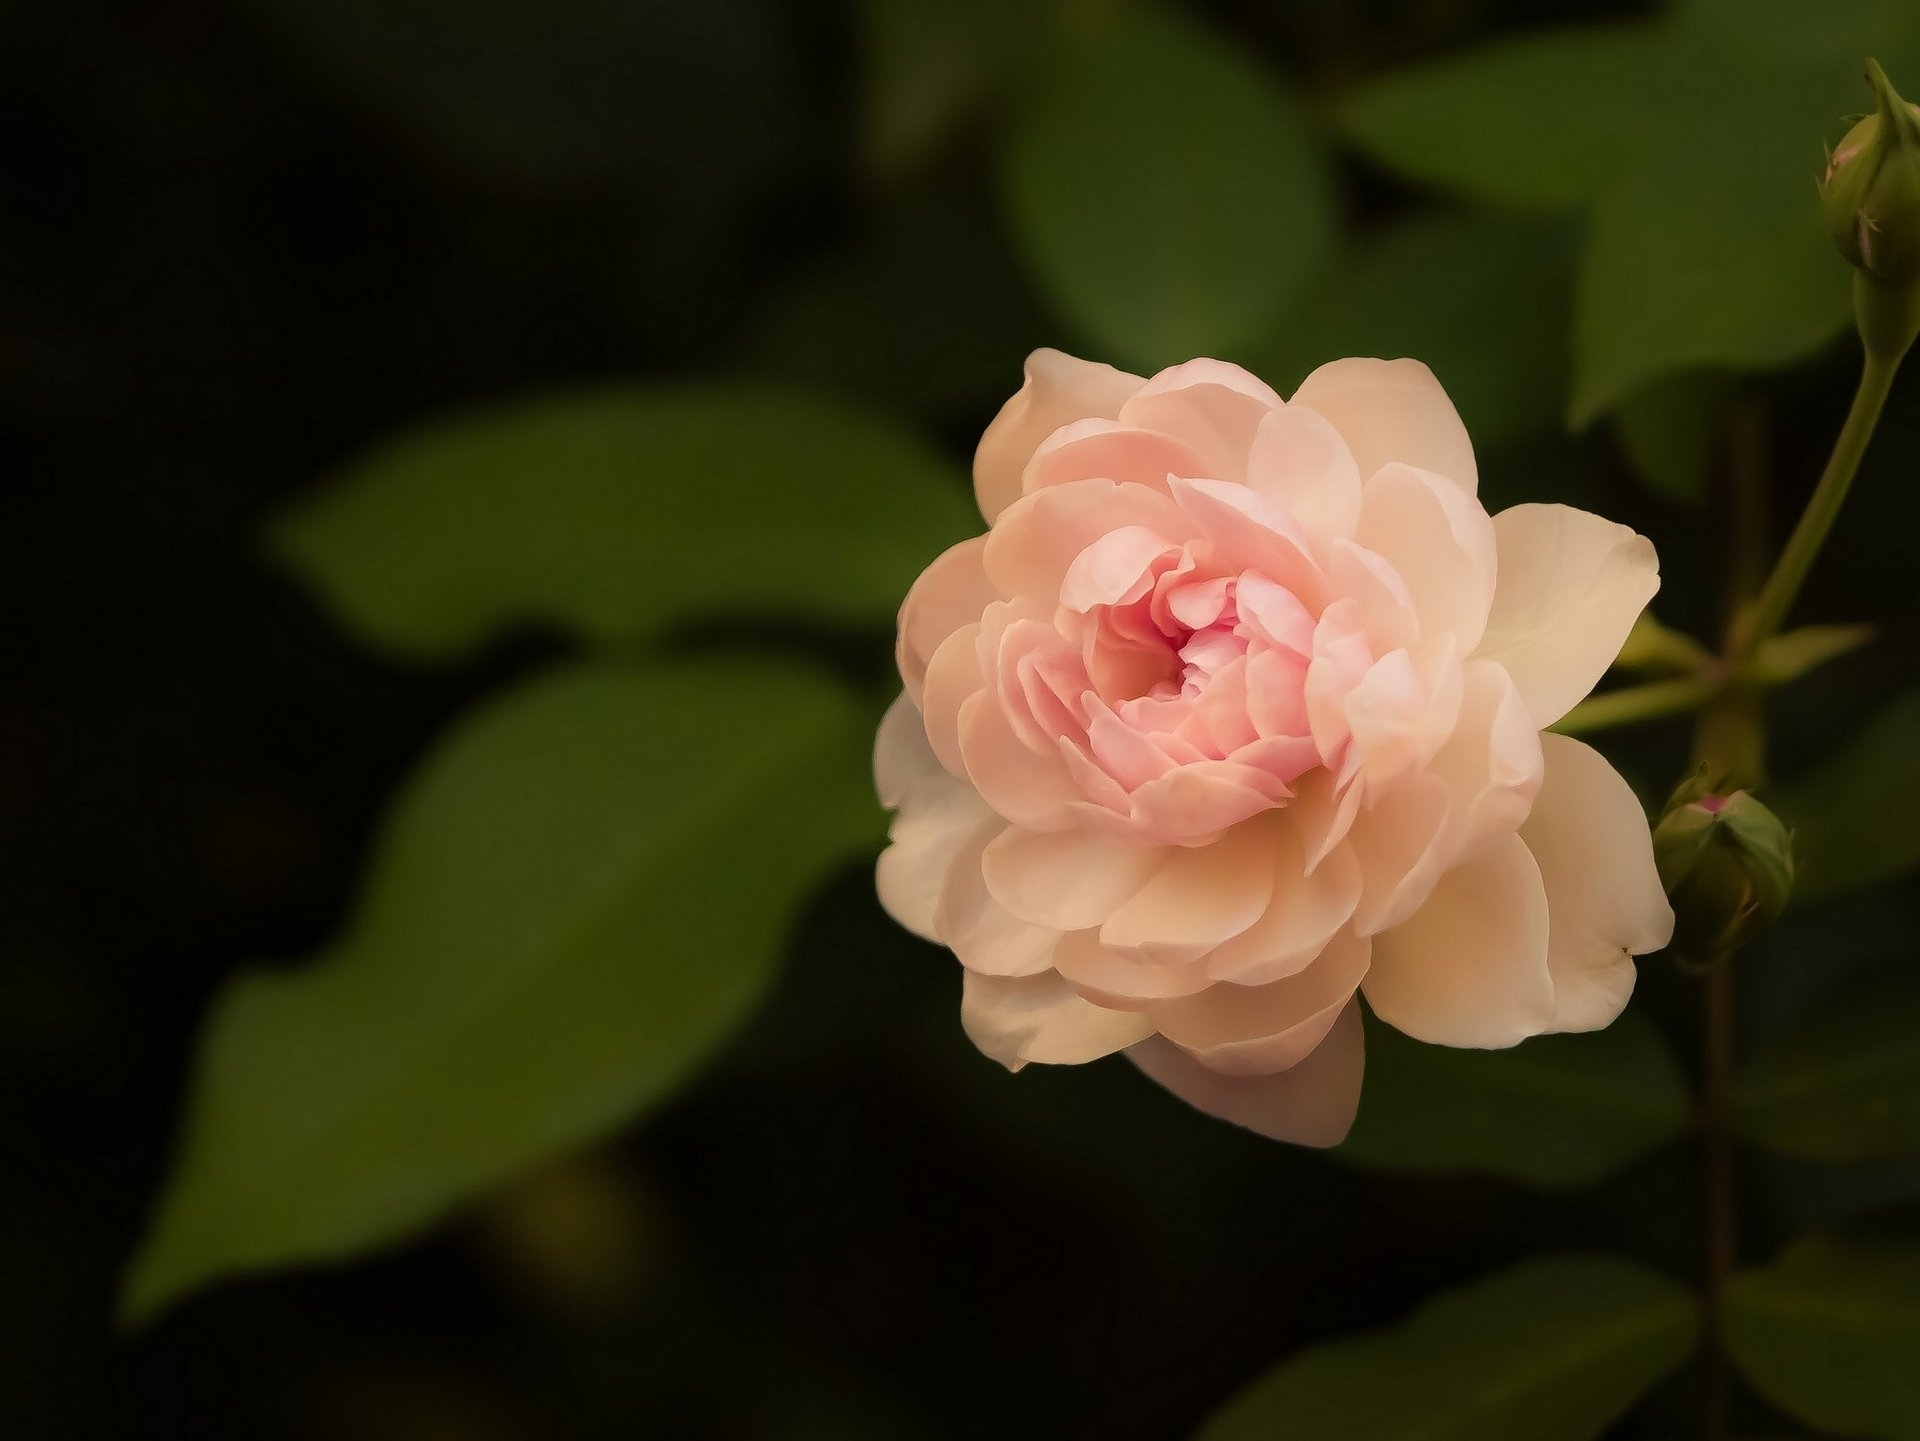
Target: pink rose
(1235, 711)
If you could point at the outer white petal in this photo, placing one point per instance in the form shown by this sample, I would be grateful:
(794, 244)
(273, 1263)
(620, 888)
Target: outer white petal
(937, 821)
(1470, 967)
(1440, 542)
(1392, 410)
(1199, 898)
(1059, 390)
(1312, 1104)
(901, 755)
(1571, 586)
(1604, 901)
(1257, 1030)
(1040, 1018)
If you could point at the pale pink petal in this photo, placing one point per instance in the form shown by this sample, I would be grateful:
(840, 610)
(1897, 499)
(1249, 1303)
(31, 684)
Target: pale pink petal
(1042, 1019)
(1301, 463)
(901, 755)
(1193, 804)
(1312, 1104)
(1439, 541)
(1257, 1030)
(1390, 410)
(1305, 913)
(1604, 900)
(985, 935)
(1400, 842)
(1571, 586)
(1370, 588)
(1124, 980)
(938, 819)
(1469, 968)
(1058, 389)
(1491, 762)
(1028, 788)
(1070, 880)
(1252, 533)
(1117, 569)
(1211, 406)
(953, 678)
(950, 593)
(1107, 449)
(1037, 539)
(1199, 897)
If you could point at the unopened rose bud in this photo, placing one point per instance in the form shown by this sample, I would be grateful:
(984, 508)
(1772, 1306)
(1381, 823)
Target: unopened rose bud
(1727, 864)
(1871, 199)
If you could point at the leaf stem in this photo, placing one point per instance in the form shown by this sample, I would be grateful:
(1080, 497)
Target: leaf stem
(1639, 702)
(1758, 622)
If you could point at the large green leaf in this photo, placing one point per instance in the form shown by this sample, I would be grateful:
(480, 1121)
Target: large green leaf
(1546, 120)
(1693, 144)
(1845, 1084)
(1555, 1111)
(930, 65)
(1831, 1332)
(620, 512)
(1170, 198)
(573, 902)
(1484, 300)
(1551, 1350)
(1845, 834)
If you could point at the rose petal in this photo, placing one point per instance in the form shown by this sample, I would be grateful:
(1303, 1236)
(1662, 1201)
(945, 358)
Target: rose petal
(1303, 916)
(1200, 897)
(1042, 1019)
(1571, 586)
(1301, 463)
(937, 820)
(901, 755)
(1439, 541)
(1124, 980)
(1312, 1104)
(985, 935)
(1252, 533)
(1058, 389)
(1037, 539)
(1257, 1030)
(1069, 880)
(1028, 788)
(1470, 966)
(1604, 900)
(1109, 450)
(950, 593)
(1390, 410)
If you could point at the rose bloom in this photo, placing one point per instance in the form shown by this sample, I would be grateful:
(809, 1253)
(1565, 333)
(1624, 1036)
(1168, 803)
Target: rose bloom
(1235, 713)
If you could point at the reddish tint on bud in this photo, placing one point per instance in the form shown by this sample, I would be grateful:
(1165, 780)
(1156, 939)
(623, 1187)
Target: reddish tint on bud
(1727, 864)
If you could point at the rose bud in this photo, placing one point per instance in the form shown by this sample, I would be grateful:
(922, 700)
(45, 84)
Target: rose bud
(1871, 200)
(1235, 715)
(1727, 864)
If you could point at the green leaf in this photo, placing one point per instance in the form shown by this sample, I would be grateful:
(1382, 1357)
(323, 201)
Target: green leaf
(1844, 1085)
(1673, 433)
(572, 904)
(1551, 1350)
(1712, 254)
(1484, 300)
(1555, 1111)
(1544, 121)
(929, 67)
(1830, 1332)
(1851, 826)
(1169, 197)
(617, 513)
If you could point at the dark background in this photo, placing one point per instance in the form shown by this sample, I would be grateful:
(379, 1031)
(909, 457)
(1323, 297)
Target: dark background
(225, 266)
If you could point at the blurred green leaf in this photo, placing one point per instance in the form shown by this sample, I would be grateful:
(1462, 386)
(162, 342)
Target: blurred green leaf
(1693, 142)
(1830, 1332)
(930, 66)
(1547, 120)
(1852, 820)
(1550, 1350)
(619, 512)
(1484, 300)
(1673, 432)
(574, 901)
(1555, 1111)
(1169, 196)
(549, 94)
(1843, 1085)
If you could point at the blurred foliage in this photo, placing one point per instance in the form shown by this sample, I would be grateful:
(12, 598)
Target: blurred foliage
(1557, 1349)
(712, 300)
(1555, 1111)
(1830, 1330)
